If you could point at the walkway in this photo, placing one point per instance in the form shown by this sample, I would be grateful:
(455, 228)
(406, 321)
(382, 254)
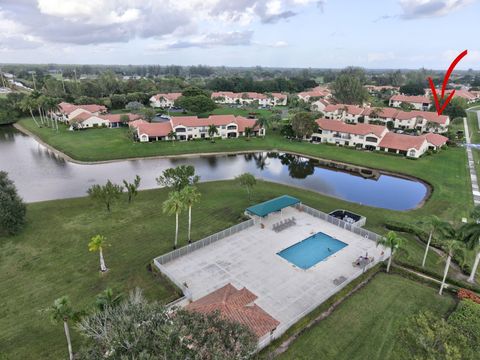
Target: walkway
(471, 165)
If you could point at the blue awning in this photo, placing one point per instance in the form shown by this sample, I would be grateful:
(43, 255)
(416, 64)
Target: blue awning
(274, 205)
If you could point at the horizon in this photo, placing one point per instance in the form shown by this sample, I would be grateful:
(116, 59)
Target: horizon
(292, 34)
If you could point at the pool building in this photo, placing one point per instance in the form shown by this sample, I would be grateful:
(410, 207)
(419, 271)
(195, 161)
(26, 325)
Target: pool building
(275, 268)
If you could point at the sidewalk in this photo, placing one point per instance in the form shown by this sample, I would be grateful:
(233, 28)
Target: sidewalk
(471, 165)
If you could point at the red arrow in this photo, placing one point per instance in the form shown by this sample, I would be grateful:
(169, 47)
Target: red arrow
(444, 85)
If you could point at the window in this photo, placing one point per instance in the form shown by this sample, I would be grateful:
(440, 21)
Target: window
(371, 139)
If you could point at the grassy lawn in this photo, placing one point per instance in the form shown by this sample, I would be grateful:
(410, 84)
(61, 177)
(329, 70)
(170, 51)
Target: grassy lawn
(473, 128)
(366, 325)
(50, 258)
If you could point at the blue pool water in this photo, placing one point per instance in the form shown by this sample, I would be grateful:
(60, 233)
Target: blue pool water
(312, 250)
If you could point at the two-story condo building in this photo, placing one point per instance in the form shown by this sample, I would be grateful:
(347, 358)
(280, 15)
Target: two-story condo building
(363, 136)
(192, 127)
(165, 100)
(423, 121)
(318, 92)
(67, 111)
(85, 120)
(228, 97)
(418, 102)
(375, 137)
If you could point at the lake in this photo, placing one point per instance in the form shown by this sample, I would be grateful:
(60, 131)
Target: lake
(39, 174)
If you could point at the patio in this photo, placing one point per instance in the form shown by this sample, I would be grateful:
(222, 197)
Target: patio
(249, 259)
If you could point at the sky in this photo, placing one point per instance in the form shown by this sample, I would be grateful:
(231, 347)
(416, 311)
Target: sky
(272, 33)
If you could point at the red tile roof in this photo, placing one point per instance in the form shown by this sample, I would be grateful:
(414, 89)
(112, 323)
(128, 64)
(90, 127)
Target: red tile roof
(84, 115)
(403, 142)
(168, 96)
(385, 112)
(279, 95)
(217, 120)
(114, 118)
(68, 108)
(427, 115)
(356, 129)
(463, 94)
(411, 99)
(435, 139)
(317, 92)
(237, 306)
(152, 129)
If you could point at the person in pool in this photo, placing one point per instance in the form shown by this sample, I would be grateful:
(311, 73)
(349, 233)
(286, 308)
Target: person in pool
(329, 250)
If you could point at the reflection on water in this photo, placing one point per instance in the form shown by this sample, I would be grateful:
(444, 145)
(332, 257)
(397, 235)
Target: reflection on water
(41, 175)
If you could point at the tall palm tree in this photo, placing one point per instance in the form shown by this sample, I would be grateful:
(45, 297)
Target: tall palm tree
(172, 135)
(470, 234)
(190, 195)
(451, 246)
(27, 104)
(212, 131)
(263, 122)
(432, 224)
(174, 205)
(62, 311)
(394, 243)
(97, 243)
(248, 133)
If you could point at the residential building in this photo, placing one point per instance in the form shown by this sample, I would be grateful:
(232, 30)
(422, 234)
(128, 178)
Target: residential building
(316, 93)
(164, 101)
(192, 127)
(85, 120)
(231, 98)
(365, 136)
(67, 111)
(375, 137)
(418, 102)
(374, 89)
(319, 105)
(422, 121)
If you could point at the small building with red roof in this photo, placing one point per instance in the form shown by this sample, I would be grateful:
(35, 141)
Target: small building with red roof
(164, 100)
(418, 102)
(236, 305)
(228, 97)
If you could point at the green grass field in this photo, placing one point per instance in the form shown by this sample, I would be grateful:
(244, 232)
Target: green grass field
(473, 128)
(366, 325)
(50, 257)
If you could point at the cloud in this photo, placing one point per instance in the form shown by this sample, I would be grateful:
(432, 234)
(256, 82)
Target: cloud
(413, 9)
(234, 38)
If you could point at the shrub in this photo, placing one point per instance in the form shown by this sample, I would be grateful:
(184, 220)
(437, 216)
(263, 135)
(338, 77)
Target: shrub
(12, 207)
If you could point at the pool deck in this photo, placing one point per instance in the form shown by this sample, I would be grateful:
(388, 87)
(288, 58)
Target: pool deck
(249, 259)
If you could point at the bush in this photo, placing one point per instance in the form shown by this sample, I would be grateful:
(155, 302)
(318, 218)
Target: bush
(466, 321)
(12, 207)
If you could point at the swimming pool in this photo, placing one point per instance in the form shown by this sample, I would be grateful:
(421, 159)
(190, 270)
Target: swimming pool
(312, 250)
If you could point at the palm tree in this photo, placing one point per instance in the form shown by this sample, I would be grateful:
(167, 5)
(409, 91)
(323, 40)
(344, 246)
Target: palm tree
(190, 196)
(394, 243)
(172, 135)
(27, 104)
(212, 131)
(263, 122)
(62, 311)
(432, 223)
(107, 299)
(451, 246)
(248, 133)
(97, 243)
(174, 205)
(471, 236)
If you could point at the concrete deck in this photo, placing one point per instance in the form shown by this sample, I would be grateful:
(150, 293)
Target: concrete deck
(249, 259)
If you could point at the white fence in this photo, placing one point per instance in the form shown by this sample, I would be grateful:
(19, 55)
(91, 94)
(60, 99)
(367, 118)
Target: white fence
(338, 222)
(175, 254)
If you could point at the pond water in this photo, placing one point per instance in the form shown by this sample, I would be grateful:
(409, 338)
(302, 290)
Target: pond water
(39, 174)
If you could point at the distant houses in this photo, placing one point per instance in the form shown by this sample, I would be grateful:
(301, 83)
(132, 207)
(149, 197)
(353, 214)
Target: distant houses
(89, 116)
(375, 137)
(415, 120)
(418, 102)
(232, 98)
(164, 100)
(192, 127)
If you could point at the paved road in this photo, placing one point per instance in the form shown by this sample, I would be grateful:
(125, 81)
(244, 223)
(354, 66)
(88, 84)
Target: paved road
(471, 164)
